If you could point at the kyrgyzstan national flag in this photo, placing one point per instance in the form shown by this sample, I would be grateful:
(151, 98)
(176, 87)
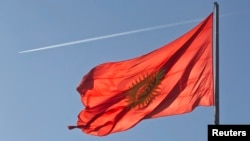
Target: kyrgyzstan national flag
(171, 80)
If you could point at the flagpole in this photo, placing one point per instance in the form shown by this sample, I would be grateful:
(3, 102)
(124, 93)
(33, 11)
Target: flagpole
(216, 48)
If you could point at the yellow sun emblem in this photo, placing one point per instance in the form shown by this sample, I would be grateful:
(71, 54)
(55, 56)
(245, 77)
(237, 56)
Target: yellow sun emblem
(145, 89)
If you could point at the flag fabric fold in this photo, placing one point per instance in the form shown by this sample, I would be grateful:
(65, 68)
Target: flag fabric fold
(173, 79)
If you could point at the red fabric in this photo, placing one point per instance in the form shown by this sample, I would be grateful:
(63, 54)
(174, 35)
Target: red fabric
(171, 80)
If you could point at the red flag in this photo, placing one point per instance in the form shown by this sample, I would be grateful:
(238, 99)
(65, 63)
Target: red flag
(171, 80)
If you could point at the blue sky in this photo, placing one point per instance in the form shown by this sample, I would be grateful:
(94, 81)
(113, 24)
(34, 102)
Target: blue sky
(38, 89)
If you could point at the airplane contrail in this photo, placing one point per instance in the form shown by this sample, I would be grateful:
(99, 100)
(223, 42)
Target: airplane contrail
(110, 36)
